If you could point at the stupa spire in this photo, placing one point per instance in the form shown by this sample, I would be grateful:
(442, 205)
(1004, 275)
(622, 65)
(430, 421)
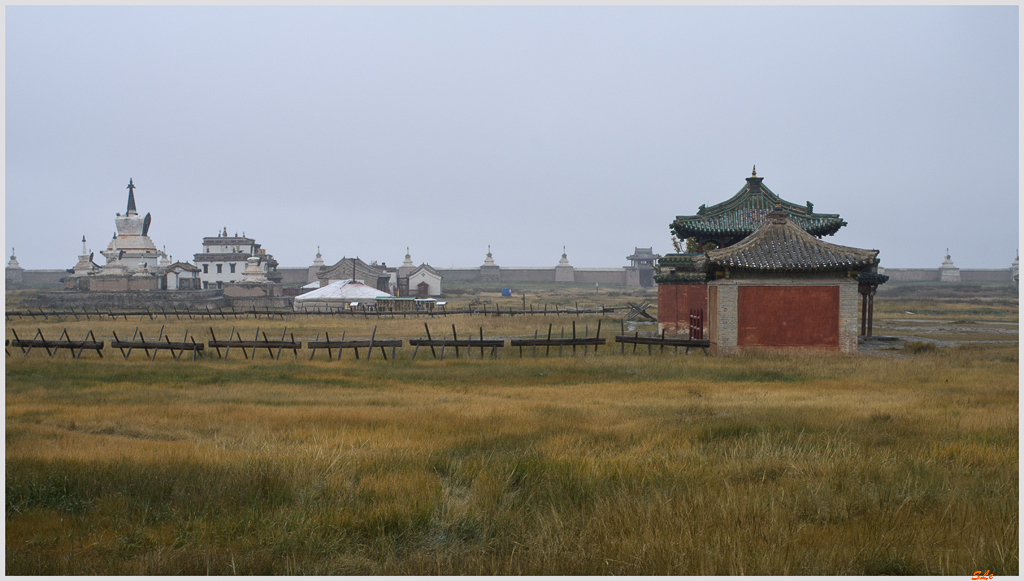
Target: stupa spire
(131, 197)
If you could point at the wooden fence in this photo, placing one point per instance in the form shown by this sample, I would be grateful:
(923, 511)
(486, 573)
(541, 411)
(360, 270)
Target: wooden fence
(221, 313)
(287, 341)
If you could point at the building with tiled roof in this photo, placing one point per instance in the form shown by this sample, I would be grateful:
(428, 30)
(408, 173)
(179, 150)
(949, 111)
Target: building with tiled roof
(729, 222)
(781, 286)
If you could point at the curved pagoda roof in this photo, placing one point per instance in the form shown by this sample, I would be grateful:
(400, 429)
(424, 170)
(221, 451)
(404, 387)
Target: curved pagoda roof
(781, 245)
(745, 212)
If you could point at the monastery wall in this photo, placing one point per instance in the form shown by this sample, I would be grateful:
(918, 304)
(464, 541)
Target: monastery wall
(912, 274)
(527, 274)
(985, 275)
(128, 299)
(459, 274)
(605, 276)
(42, 278)
(934, 274)
(297, 275)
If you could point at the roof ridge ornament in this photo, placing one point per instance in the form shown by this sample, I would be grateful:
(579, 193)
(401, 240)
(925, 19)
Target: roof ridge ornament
(753, 174)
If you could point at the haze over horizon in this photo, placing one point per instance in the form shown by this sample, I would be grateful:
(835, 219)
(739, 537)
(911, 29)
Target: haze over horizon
(366, 130)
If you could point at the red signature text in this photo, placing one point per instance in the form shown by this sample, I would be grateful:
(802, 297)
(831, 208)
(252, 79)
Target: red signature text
(978, 575)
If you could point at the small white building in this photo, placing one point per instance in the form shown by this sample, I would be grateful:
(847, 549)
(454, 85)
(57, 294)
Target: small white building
(418, 281)
(224, 260)
(182, 276)
(425, 282)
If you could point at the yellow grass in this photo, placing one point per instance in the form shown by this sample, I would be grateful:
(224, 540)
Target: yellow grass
(767, 464)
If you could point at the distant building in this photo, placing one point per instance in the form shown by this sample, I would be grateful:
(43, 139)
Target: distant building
(781, 287)
(182, 276)
(424, 282)
(354, 269)
(640, 271)
(771, 282)
(224, 259)
(419, 281)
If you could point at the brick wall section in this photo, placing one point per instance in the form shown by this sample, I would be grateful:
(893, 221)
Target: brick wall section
(724, 323)
(788, 316)
(674, 304)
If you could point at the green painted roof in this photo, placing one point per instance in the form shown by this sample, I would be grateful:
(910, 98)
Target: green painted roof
(748, 210)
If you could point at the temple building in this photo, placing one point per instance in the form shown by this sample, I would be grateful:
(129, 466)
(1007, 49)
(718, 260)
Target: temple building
(225, 258)
(780, 286)
(131, 247)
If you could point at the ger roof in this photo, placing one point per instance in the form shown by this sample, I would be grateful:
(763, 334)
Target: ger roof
(343, 290)
(747, 210)
(779, 244)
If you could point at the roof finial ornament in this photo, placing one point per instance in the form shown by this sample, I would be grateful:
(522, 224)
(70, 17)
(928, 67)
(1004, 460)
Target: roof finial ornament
(753, 174)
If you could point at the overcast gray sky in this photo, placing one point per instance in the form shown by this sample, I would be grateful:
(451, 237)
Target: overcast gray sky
(365, 130)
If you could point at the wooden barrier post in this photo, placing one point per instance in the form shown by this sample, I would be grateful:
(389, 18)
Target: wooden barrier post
(314, 348)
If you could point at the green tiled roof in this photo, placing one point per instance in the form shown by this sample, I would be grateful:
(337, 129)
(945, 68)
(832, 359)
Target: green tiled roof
(747, 211)
(780, 245)
(681, 278)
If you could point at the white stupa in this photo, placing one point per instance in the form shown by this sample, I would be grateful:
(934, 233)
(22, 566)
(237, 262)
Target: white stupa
(253, 273)
(949, 272)
(489, 260)
(407, 266)
(84, 265)
(131, 245)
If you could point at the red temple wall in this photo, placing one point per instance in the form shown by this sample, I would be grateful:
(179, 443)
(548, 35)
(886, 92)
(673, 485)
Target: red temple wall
(788, 316)
(675, 302)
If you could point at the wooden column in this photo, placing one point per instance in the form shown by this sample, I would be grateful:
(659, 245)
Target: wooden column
(871, 310)
(864, 314)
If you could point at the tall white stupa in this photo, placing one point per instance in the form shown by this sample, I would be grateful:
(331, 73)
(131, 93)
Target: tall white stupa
(131, 248)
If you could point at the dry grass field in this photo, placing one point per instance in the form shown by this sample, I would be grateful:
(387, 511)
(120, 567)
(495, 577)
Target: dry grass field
(895, 462)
